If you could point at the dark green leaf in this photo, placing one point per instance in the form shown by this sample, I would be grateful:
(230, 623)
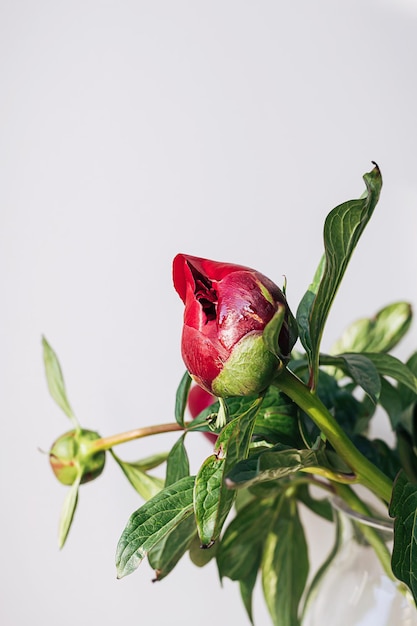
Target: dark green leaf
(380, 454)
(273, 465)
(149, 524)
(165, 555)
(388, 365)
(181, 398)
(285, 565)
(403, 509)
(380, 333)
(407, 454)
(55, 381)
(306, 305)
(68, 511)
(277, 421)
(147, 486)
(342, 230)
(361, 369)
(246, 586)
(239, 550)
(407, 395)
(319, 506)
(391, 400)
(178, 465)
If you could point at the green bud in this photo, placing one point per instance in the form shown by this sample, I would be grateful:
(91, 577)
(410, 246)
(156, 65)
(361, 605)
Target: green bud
(72, 453)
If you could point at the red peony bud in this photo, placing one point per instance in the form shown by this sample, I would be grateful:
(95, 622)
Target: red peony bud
(227, 308)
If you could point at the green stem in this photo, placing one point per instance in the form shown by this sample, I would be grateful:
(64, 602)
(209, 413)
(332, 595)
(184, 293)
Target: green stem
(367, 474)
(105, 443)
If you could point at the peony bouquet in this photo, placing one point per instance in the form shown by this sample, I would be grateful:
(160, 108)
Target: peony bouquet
(289, 427)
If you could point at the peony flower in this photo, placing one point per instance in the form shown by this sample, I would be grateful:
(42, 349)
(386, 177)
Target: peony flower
(227, 308)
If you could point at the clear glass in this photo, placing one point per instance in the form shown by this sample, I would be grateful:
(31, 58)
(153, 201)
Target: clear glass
(355, 590)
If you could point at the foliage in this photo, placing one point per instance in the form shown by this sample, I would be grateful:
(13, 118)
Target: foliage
(309, 428)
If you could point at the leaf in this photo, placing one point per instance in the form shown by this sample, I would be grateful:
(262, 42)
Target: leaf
(213, 500)
(403, 509)
(273, 465)
(246, 586)
(240, 551)
(388, 365)
(55, 381)
(380, 333)
(272, 331)
(181, 398)
(68, 511)
(361, 369)
(321, 507)
(343, 228)
(149, 524)
(285, 565)
(198, 555)
(178, 465)
(406, 394)
(276, 421)
(166, 554)
(147, 486)
(306, 305)
(240, 548)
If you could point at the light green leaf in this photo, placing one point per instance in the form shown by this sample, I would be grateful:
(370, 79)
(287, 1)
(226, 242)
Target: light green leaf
(147, 486)
(55, 381)
(149, 524)
(285, 565)
(178, 465)
(68, 511)
(380, 333)
(403, 509)
(181, 398)
(342, 230)
(166, 554)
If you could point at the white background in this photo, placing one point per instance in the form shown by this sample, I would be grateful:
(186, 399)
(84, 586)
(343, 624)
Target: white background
(130, 131)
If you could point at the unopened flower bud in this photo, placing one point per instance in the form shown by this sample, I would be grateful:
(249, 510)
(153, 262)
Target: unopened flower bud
(227, 308)
(72, 452)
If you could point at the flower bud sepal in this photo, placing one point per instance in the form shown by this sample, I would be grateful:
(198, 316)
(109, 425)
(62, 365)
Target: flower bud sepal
(249, 369)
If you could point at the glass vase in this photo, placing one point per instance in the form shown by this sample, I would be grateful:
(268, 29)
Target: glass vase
(355, 590)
